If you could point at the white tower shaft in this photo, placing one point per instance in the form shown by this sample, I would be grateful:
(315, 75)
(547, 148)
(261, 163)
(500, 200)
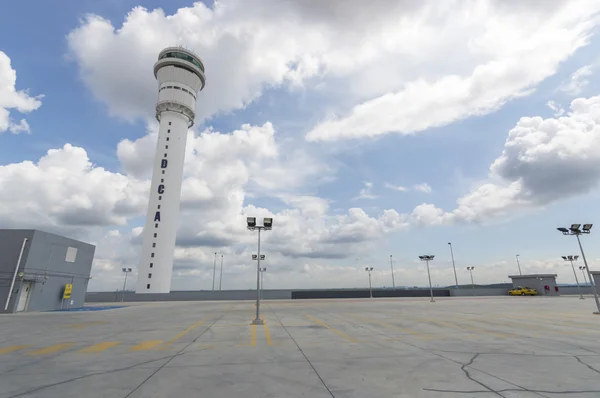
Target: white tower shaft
(180, 74)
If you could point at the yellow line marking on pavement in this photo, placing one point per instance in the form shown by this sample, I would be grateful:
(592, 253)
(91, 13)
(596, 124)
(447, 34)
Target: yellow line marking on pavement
(146, 345)
(339, 332)
(267, 334)
(84, 325)
(253, 338)
(180, 335)
(99, 347)
(51, 349)
(12, 348)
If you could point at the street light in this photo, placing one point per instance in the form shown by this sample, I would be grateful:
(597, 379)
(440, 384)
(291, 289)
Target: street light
(518, 265)
(392, 267)
(255, 258)
(571, 259)
(369, 269)
(428, 258)
(214, 269)
(262, 283)
(267, 225)
(582, 268)
(574, 230)
(126, 270)
(221, 276)
(470, 269)
(453, 265)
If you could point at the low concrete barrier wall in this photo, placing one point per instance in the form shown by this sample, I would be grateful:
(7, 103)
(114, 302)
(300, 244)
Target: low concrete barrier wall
(568, 290)
(495, 291)
(364, 293)
(191, 295)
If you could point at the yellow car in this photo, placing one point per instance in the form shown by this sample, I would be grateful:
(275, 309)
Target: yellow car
(522, 291)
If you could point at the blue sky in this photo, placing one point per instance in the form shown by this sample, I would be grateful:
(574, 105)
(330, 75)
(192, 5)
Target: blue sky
(453, 158)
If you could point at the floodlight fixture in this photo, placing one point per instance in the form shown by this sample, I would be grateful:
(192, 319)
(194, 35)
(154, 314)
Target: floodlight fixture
(427, 258)
(571, 259)
(267, 225)
(470, 268)
(574, 230)
(268, 222)
(126, 270)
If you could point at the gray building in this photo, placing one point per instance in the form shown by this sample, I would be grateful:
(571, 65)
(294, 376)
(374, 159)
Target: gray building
(35, 268)
(545, 284)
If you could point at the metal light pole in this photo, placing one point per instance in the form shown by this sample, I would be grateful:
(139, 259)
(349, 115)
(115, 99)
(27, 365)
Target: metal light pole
(470, 269)
(453, 264)
(267, 225)
(518, 265)
(574, 230)
(428, 258)
(221, 276)
(262, 283)
(571, 259)
(392, 267)
(126, 270)
(582, 268)
(369, 269)
(214, 270)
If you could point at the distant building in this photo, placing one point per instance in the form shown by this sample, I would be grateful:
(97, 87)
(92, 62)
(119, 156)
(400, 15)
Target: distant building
(36, 267)
(545, 284)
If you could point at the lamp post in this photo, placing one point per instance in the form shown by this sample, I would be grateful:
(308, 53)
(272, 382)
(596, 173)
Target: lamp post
(428, 258)
(518, 264)
(262, 283)
(453, 264)
(214, 270)
(126, 270)
(267, 226)
(470, 269)
(582, 268)
(571, 259)
(221, 276)
(369, 269)
(574, 230)
(392, 267)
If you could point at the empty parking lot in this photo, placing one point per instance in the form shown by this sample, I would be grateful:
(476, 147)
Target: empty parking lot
(459, 347)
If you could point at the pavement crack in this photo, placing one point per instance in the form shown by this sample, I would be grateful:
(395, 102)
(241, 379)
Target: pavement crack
(466, 372)
(86, 376)
(180, 352)
(303, 354)
(590, 367)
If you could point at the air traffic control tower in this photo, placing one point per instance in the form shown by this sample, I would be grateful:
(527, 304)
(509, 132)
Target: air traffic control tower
(180, 75)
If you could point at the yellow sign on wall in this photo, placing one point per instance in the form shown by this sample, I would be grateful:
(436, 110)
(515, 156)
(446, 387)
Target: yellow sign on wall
(68, 290)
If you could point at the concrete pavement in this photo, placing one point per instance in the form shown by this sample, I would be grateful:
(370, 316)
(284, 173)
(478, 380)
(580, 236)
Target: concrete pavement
(459, 347)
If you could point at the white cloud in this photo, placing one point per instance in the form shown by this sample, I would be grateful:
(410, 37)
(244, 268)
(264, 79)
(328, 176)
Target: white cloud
(514, 52)
(64, 189)
(424, 187)
(393, 187)
(10, 99)
(410, 68)
(579, 79)
(543, 161)
(64, 192)
(366, 193)
(557, 108)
